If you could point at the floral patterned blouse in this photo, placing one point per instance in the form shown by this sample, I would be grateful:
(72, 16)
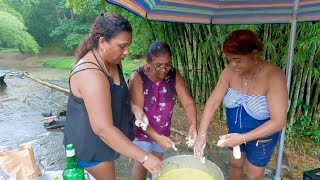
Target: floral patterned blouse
(159, 100)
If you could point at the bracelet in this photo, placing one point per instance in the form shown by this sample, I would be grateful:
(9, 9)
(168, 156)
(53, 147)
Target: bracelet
(145, 159)
(244, 139)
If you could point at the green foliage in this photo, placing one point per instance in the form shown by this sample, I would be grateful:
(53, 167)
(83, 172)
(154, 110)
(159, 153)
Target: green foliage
(51, 22)
(8, 50)
(6, 8)
(41, 18)
(71, 28)
(129, 65)
(142, 32)
(63, 63)
(90, 7)
(56, 48)
(71, 31)
(136, 51)
(14, 32)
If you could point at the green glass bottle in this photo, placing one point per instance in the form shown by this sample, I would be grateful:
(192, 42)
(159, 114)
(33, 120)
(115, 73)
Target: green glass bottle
(73, 171)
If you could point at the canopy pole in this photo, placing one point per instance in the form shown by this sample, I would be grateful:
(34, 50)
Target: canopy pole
(288, 76)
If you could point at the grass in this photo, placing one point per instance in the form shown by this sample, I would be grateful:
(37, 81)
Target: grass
(130, 65)
(8, 50)
(68, 63)
(62, 63)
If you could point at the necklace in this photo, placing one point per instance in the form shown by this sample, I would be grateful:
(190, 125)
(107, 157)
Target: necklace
(242, 78)
(245, 79)
(99, 60)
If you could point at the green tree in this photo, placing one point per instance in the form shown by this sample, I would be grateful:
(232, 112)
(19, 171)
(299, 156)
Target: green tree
(71, 31)
(41, 17)
(143, 30)
(71, 28)
(53, 25)
(13, 32)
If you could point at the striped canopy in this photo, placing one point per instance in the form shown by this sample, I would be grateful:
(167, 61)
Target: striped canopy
(223, 11)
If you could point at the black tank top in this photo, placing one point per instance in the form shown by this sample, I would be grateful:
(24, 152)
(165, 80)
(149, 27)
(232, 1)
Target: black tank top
(78, 131)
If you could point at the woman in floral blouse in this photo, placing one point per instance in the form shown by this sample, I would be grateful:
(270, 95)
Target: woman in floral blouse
(153, 90)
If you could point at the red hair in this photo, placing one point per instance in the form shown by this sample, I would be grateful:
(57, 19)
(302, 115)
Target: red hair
(242, 42)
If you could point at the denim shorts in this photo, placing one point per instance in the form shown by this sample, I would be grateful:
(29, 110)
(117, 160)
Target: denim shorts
(148, 147)
(259, 152)
(88, 164)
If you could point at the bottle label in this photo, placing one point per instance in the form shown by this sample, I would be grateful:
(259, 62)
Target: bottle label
(70, 153)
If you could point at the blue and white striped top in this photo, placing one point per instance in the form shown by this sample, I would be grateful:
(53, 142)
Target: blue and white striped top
(256, 106)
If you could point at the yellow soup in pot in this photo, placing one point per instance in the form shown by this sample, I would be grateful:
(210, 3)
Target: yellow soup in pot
(185, 174)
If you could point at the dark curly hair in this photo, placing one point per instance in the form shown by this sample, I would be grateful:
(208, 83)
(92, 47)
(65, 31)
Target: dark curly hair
(107, 26)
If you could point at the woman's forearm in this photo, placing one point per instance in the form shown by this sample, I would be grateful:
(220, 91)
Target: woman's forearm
(191, 113)
(268, 128)
(136, 110)
(114, 138)
(208, 115)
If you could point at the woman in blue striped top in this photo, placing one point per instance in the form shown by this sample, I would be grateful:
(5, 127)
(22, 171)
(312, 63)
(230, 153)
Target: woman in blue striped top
(255, 95)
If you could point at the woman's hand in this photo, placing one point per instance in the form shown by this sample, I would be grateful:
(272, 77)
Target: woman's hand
(153, 164)
(165, 142)
(199, 145)
(232, 139)
(141, 120)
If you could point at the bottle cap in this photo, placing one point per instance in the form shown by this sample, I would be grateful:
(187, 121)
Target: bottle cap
(69, 147)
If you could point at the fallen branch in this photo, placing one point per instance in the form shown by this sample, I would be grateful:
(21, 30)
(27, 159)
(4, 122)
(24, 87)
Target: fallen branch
(8, 99)
(67, 91)
(182, 133)
(50, 117)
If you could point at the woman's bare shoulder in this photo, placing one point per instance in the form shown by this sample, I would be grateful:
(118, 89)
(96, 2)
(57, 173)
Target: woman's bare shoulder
(273, 70)
(228, 72)
(273, 74)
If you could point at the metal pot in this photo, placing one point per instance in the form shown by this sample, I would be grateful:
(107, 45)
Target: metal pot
(190, 161)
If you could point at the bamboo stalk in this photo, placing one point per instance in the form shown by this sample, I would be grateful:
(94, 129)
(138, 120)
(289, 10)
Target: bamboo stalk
(308, 93)
(309, 84)
(316, 118)
(293, 83)
(295, 101)
(315, 103)
(316, 96)
(302, 89)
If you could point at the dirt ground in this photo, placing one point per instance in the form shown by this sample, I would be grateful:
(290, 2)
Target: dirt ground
(299, 161)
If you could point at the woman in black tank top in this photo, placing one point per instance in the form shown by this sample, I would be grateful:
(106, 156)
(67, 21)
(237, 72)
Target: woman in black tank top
(99, 123)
